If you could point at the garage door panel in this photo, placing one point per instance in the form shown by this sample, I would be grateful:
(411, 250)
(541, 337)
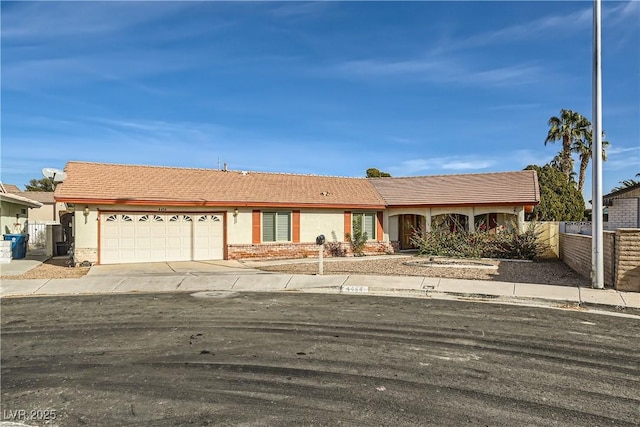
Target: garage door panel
(143, 243)
(149, 237)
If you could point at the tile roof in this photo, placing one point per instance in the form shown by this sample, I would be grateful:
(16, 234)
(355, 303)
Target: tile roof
(38, 196)
(134, 184)
(467, 189)
(19, 200)
(12, 188)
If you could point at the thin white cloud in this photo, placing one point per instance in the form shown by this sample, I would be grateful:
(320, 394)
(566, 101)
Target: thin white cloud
(621, 12)
(435, 164)
(439, 70)
(299, 9)
(511, 107)
(108, 66)
(44, 20)
(550, 24)
(619, 150)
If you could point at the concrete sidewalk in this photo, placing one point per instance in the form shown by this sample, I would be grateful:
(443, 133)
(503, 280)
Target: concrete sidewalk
(20, 266)
(194, 276)
(256, 281)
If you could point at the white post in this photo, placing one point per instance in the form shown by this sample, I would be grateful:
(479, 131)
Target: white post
(321, 260)
(597, 247)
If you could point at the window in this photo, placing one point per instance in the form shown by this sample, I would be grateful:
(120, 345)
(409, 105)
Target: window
(366, 222)
(276, 226)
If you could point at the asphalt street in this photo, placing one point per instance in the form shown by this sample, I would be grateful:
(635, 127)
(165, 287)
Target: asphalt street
(226, 358)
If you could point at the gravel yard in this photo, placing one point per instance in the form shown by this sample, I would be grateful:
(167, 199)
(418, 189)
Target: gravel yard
(54, 268)
(551, 272)
(548, 272)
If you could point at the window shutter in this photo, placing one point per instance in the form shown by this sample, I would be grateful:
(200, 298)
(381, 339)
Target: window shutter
(284, 227)
(268, 227)
(347, 223)
(255, 234)
(296, 226)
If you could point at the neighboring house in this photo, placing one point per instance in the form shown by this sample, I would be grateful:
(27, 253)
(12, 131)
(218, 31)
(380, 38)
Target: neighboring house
(14, 212)
(127, 213)
(623, 208)
(48, 213)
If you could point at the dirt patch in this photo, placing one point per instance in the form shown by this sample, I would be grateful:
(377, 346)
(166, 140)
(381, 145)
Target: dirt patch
(54, 268)
(542, 272)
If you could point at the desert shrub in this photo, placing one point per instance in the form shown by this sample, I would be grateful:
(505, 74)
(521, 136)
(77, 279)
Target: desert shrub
(335, 248)
(508, 243)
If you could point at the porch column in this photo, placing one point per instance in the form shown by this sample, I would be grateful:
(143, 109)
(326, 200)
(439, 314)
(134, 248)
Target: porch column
(471, 220)
(520, 214)
(427, 220)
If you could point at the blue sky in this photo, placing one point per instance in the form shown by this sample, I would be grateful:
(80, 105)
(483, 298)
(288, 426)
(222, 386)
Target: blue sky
(329, 88)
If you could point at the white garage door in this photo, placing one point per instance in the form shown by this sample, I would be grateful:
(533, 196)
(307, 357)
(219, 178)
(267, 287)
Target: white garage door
(153, 237)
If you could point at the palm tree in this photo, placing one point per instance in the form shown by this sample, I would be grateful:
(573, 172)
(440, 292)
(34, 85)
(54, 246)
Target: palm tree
(569, 127)
(583, 147)
(627, 183)
(556, 162)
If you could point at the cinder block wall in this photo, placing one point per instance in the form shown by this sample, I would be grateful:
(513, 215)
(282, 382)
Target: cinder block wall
(624, 213)
(628, 260)
(575, 251)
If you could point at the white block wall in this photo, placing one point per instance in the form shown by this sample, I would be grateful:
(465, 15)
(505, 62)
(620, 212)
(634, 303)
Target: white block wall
(624, 214)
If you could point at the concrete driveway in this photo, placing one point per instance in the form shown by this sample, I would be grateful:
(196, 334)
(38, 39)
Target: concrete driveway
(196, 268)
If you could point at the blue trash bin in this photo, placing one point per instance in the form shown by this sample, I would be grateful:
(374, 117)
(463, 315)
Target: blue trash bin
(18, 244)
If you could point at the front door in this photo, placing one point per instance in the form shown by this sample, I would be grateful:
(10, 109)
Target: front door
(408, 225)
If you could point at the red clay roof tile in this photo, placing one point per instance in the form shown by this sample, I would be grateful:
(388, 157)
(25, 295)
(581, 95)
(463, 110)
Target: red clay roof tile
(112, 183)
(465, 189)
(116, 183)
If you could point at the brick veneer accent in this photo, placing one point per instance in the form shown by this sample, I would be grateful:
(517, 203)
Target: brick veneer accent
(85, 254)
(298, 250)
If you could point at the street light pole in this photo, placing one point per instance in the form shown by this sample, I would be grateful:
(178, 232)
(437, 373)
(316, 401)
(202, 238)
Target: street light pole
(597, 247)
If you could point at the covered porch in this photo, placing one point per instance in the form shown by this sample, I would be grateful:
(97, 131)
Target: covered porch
(402, 223)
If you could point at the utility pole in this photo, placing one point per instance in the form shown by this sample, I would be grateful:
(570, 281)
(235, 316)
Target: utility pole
(597, 247)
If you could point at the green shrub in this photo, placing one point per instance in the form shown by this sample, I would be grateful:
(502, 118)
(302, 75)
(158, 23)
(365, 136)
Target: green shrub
(357, 239)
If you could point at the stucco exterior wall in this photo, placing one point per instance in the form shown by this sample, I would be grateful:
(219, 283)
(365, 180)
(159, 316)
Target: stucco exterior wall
(239, 227)
(316, 222)
(8, 221)
(44, 214)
